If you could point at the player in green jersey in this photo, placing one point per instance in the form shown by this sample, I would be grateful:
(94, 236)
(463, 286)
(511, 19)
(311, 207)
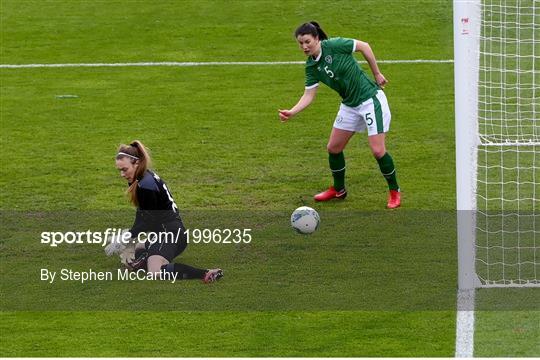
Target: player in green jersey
(364, 105)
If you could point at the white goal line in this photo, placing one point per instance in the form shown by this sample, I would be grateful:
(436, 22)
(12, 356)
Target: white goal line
(206, 63)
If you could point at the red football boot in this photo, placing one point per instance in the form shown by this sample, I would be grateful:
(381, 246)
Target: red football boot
(330, 194)
(394, 199)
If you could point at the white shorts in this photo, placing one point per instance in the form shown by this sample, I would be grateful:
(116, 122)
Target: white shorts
(373, 114)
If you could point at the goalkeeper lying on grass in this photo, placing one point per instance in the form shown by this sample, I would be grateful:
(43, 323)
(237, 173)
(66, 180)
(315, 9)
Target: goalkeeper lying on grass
(157, 214)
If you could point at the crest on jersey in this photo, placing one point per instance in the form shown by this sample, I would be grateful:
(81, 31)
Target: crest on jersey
(328, 59)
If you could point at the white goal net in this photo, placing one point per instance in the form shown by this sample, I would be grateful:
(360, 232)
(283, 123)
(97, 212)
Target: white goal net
(507, 242)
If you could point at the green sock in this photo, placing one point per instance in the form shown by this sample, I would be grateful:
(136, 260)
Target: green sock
(386, 164)
(337, 165)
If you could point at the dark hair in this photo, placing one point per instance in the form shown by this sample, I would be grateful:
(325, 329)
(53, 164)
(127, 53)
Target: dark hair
(311, 28)
(136, 151)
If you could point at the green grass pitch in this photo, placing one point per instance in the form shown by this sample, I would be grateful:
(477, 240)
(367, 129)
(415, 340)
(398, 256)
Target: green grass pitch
(368, 283)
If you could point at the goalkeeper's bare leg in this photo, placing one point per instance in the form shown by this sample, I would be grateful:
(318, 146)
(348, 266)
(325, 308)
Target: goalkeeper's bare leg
(157, 264)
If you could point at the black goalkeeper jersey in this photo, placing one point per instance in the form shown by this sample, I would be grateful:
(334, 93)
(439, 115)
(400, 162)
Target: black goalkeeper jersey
(156, 205)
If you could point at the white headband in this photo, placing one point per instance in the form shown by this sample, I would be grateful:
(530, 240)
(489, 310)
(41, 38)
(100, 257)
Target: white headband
(128, 155)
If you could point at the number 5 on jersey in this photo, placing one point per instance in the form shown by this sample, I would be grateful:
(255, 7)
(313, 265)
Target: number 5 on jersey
(329, 72)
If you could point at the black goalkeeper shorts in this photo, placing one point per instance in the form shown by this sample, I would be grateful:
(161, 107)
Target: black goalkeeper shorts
(169, 242)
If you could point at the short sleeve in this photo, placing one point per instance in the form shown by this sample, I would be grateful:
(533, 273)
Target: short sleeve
(342, 45)
(311, 77)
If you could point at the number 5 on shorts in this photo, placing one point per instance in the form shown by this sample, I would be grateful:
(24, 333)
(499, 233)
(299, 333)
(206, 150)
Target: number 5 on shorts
(369, 119)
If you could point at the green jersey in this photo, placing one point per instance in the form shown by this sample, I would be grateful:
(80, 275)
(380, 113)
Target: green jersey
(336, 67)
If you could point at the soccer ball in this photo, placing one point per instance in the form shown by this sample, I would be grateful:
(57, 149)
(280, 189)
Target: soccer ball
(305, 220)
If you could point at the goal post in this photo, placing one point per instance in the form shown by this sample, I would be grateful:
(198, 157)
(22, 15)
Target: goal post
(466, 70)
